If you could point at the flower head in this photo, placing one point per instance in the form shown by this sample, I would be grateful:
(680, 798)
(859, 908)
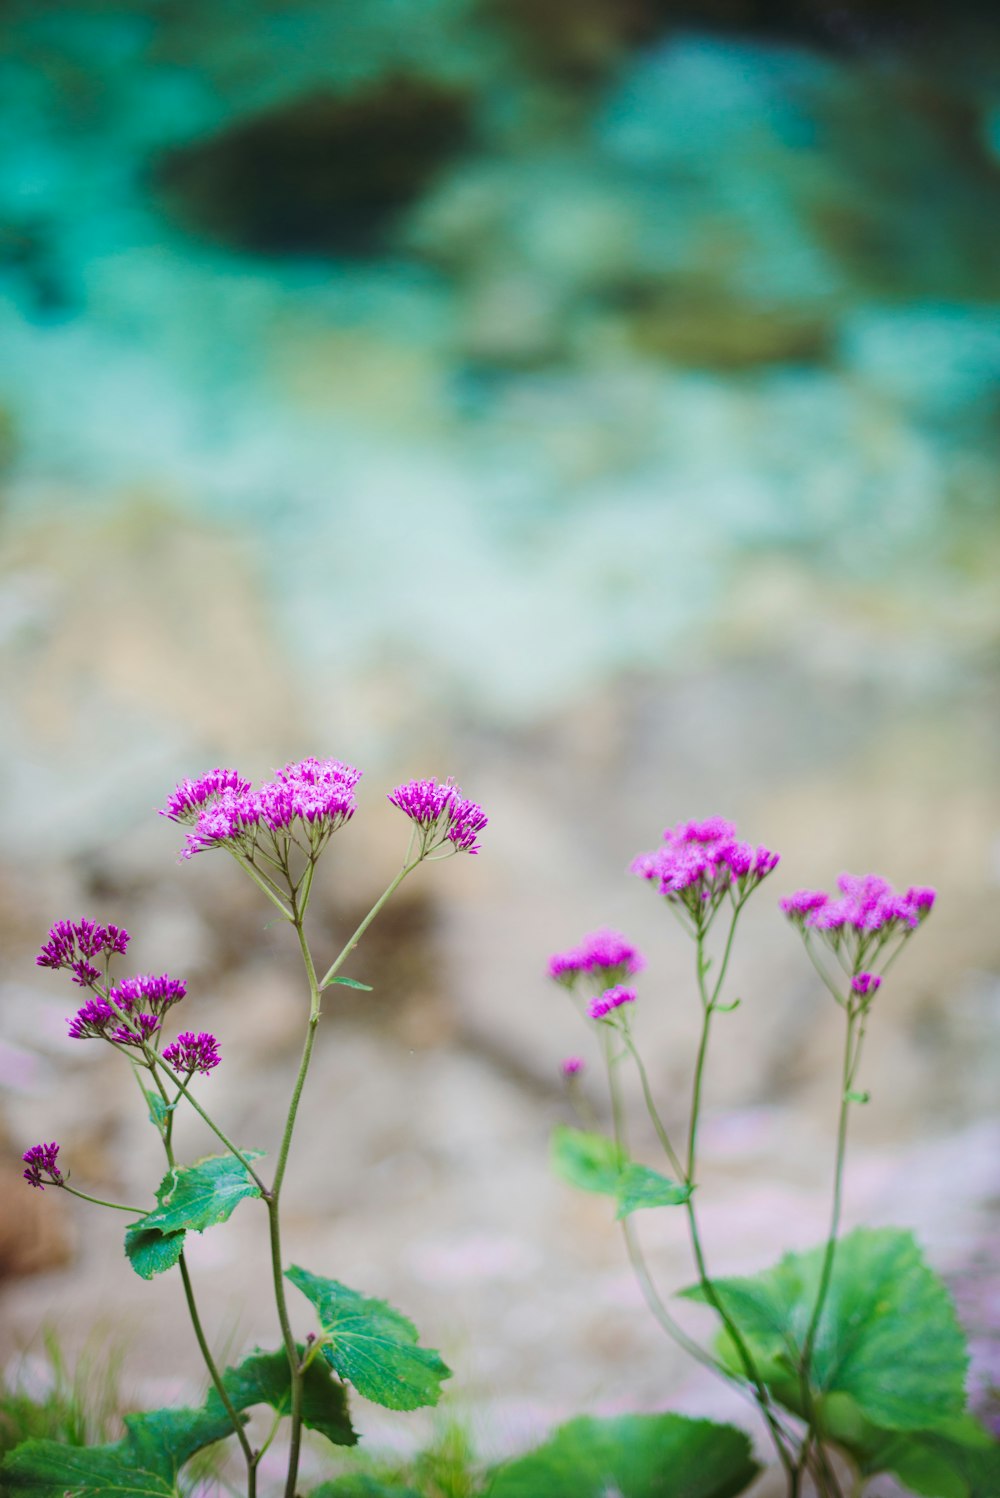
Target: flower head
(311, 796)
(190, 1053)
(41, 1161)
(441, 813)
(572, 1066)
(610, 999)
(866, 984)
(861, 922)
(72, 944)
(138, 1032)
(699, 863)
(605, 955)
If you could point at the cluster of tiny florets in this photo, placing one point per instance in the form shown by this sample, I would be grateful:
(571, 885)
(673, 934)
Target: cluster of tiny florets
(41, 1161)
(441, 813)
(862, 922)
(72, 945)
(699, 863)
(190, 1053)
(143, 1000)
(611, 999)
(605, 955)
(311, 796)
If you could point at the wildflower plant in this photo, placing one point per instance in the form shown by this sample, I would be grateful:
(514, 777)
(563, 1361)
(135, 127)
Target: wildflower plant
(851, 1352)
(276, 833)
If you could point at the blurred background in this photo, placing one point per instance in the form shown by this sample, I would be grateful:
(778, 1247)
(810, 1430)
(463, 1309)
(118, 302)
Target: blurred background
(598, 401)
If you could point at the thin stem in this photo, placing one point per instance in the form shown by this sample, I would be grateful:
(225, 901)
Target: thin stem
(216, 1377)
(651, 1108)
(157, 1061)
(99, 1201)
(353, 940)
(263, 883)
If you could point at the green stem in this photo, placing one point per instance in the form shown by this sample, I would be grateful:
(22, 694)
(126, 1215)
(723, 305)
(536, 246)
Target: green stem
(99, 1202)
(213, 1372)
(651, 1108)
(353, 940)
(157, 1061)
(752, 1373)
(263, 884)
(216, 1377)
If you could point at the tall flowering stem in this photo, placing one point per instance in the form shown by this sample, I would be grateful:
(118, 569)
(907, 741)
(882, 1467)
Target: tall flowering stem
(276, 833)
(863, 929)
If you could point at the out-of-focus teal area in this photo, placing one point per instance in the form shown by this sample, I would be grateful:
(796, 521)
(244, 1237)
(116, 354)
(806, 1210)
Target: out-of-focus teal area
(508, 333)
(598, 400)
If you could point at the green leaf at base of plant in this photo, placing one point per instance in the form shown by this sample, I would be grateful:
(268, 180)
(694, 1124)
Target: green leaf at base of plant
(144, 1464)
(640, 1187)
(636, 1456)
(265, 1378)
(888, 1336)
(360, 1485)
(372, 1346)
(959, 1459)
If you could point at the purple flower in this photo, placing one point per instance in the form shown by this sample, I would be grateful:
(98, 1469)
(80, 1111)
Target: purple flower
(71, 944)
(572, 1066)
(186, 802)
(41, 1160)
(224, 811)
(138, 1032)
(190, 1053)
(156, 993)
(611, 998)
(92, 1020)
(859, 923)
(804, 903)
(605, 954)
(442, 814)
(699, 863)
(865, 984)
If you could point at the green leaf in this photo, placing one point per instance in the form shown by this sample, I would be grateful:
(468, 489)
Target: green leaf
(589, 1161)
(349, 983)
(199, 1196)
(636, 1456)
(360, 1485)
(159, 1111)
(150, 1251)
(957, 1460)
(858, 1097)
(264, 1378)
(144, 1464)
(888, 1336)
(639, 1187)
(372, 1346)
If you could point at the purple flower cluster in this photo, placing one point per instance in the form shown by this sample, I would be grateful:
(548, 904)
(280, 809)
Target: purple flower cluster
(441, 813)
(860, 923)
(699, 863)
(605, 955)
(41, 1160)
(867, 903)
(72, 944)
(190, 1053)
(156, 993)
(609, 1000)
(311, 797)
(572, 1066)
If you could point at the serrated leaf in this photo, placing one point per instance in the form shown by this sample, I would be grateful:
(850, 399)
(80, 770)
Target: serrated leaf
(888, 1336)
(349, 983)
(201, 1195)
(264, 1378)
(589, 1161)
(360, 1485)
(636, 1456)
(372, 1346)
(151, 1252)
(640, 1187)
(144, 1464)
